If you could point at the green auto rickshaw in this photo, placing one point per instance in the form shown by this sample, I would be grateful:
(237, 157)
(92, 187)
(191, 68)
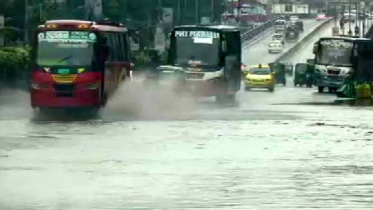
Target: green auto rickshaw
(289, 68)
(304, 75)
(280, 74)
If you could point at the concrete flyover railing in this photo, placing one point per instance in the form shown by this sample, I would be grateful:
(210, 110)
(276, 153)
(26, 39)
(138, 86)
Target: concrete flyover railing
(297, 47)
(258, 30)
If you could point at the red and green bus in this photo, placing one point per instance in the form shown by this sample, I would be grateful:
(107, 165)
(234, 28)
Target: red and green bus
(78, 64)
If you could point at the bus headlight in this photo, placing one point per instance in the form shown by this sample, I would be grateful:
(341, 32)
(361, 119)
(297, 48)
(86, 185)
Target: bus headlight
(344, 72)
(36, 86)
(92, 86)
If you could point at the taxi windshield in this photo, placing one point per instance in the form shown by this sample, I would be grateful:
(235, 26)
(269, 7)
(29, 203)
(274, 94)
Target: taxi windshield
(260, 71)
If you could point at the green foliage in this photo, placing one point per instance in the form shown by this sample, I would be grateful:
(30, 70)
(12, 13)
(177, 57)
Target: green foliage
(113, 9)
(141, 57)
(13, 62)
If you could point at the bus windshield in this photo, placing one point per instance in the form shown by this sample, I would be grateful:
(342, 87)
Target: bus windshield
(65, 48)
(199, 48)
(335, 52)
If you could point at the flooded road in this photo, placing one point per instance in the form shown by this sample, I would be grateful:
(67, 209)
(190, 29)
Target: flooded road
(291, 149)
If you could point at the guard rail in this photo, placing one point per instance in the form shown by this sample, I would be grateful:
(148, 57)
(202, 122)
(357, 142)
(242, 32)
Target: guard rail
(256, 31)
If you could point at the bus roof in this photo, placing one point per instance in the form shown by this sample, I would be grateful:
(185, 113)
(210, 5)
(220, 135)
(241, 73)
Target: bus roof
(343, 37)
(83, 25)
(223, 28)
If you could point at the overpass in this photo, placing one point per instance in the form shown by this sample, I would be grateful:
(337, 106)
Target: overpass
(257, 52)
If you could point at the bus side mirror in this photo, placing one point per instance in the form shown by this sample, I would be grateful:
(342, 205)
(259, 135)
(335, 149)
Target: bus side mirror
(315, 49)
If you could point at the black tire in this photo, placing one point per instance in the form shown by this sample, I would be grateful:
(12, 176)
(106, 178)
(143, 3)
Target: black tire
(271, 89)
(320, 89)
(247, 89)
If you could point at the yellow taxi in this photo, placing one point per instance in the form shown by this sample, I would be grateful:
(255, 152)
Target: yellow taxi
(260, 76)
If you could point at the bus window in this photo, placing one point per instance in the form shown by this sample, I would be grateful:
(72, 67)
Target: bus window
(124, 47)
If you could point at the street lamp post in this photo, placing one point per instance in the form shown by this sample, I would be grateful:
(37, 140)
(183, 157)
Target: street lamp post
(349, 17)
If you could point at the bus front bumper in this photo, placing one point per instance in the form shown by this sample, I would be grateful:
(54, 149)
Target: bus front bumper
(329, 81)
(49, 98)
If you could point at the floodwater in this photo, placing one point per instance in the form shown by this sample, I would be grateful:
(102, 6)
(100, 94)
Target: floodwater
(291, 149)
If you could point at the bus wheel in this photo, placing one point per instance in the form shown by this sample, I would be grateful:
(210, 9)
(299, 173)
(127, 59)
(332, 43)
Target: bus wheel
(226, 98)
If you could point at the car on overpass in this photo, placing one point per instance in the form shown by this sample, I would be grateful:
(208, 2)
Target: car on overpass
(279, 37)
(294, 18)
(349, 17)
(321, 17)
(275, 47)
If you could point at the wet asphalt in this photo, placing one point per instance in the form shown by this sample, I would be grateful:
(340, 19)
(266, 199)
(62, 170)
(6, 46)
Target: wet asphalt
(152, 149)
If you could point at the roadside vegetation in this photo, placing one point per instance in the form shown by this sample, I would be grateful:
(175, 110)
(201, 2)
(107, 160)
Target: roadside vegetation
(13, 64)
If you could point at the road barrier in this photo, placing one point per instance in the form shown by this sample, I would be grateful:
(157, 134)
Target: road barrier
(296, 47)
(258, 30)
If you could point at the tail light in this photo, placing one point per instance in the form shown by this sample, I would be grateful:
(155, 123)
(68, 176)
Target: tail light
(243, 67)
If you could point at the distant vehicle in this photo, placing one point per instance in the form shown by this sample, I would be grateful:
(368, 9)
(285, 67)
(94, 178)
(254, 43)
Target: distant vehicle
(347, 17)
(294, 18)
(292, 33)
(299, 24)
(280, 25)
(320, 17)
(78, 64)
(260, 76)
(289, 68)
(303, 75)
(333, 61)
(210, 57)
(279, 37)
(369, 16)
(275, 47)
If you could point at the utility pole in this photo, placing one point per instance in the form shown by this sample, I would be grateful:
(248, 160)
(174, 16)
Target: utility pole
(349, 17)
(197, 13)
(26, 23)
(178, 12)
(239, 11)
(212, 11)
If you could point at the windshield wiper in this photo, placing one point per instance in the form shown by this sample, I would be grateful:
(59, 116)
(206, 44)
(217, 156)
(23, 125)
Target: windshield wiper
(64, 59)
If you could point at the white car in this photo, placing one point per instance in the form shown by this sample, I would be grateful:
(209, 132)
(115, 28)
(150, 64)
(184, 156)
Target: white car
(275, 47)
(279, 37)
(294, 18)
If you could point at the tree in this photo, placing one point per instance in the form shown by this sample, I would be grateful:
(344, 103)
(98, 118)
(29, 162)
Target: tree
(113, 9)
